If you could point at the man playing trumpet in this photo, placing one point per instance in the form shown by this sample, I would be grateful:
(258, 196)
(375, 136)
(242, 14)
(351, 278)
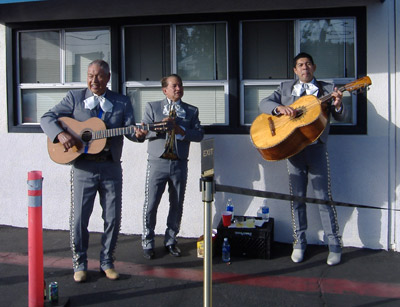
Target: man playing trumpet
(168, 162)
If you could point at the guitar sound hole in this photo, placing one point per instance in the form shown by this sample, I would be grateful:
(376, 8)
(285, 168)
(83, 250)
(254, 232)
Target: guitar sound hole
(86, 136)
(300, 112)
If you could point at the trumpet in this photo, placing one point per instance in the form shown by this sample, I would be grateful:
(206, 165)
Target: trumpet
(170, 143)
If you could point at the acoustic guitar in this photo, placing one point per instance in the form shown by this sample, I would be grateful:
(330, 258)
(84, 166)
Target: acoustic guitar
(280, 137)
(93, 135)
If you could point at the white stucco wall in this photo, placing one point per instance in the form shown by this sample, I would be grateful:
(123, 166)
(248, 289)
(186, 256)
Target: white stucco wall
(396, 95)
(363, 167)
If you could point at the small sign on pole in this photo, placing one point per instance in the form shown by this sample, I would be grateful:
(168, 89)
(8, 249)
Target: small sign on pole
(207, 158)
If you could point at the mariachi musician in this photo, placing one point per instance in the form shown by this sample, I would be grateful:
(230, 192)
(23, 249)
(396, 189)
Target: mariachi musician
(168, 162)
(94, 173)
(312, 162)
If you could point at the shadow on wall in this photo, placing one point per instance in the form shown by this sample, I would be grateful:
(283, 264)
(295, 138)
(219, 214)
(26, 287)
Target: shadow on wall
(244, 167)
(360, 165)
(234, 167)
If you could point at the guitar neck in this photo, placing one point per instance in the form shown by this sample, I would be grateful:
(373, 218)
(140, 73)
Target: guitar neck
(328, 97)
(107, 133)
(358, 84)
(102, 134)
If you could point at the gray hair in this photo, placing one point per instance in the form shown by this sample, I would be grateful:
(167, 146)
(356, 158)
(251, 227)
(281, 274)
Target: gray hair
(103, 65)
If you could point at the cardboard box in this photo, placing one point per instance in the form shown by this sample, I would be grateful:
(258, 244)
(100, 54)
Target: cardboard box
(200, 245)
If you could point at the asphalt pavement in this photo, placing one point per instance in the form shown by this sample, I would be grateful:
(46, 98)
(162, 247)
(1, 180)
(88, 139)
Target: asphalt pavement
(365, 277)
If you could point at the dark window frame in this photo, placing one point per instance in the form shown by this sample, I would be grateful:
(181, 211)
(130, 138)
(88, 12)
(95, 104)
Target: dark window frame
(233, 21)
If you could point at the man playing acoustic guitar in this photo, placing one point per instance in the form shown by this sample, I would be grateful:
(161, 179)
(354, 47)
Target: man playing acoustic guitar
(92, 173)
(312, 162)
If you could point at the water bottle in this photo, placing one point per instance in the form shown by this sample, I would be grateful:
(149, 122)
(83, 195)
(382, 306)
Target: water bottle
(229, 207)
(226, 251)
(263, 212)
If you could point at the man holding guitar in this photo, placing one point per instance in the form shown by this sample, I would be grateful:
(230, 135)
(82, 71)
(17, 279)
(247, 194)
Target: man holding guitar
(92, 173)
(312, 161)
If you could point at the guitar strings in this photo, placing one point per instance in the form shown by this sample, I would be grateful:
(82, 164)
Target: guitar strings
(280, 122)
(101, 134)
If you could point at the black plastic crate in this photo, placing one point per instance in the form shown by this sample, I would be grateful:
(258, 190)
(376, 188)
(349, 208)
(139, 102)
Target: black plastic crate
(247, 242)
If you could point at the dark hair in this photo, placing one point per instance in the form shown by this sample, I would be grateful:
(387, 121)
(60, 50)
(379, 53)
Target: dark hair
(103, 65)
(302, 55)
(164, 81)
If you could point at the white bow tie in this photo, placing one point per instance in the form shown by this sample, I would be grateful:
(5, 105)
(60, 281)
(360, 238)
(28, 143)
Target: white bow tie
(309, 88)
(93, 101)
(180, 112)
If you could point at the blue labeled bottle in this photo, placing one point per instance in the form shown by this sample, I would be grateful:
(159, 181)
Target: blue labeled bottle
(229, 207)
(226, 251)
(263, 212)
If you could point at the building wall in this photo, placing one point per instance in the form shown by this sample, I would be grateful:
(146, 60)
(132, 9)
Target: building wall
(364, 168)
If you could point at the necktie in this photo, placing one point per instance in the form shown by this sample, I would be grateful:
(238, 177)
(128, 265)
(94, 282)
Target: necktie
(180, 112)
(93, 101)
(301, 89)
(310, 89)
(105, 104)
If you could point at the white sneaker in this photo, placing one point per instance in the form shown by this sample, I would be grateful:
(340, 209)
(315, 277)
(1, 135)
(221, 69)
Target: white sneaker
(297, 255)
(333, 258)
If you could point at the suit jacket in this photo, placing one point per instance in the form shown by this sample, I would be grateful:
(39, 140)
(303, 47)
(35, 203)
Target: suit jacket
(73, 106)
(283, 96)
(193, 130)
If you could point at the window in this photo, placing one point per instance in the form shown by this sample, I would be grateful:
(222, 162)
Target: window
(197, 52)
(201, 52)
(331, 42)
(51, 62)
(228, 62)
(40, 57)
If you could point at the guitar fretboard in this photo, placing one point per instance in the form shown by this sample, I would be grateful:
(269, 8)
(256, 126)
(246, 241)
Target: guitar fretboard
(101, 134)
(350, 87)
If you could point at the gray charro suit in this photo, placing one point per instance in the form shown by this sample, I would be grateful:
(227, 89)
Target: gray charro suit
(94, 173)
(161, 171)
(311, 162)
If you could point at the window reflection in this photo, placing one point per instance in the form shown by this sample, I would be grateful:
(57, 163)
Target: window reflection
(52, 62)
(331, 43)
(147, 49)
(201, 52)
(82, 48)
(40, 57)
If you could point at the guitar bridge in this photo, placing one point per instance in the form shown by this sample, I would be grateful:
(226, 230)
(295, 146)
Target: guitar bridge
(271, 126)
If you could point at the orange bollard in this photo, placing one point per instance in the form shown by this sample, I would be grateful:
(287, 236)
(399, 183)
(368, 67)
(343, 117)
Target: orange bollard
(35, 240)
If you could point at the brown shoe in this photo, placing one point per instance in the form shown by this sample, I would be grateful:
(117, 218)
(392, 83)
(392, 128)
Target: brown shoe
(111, 274)
(80, 276)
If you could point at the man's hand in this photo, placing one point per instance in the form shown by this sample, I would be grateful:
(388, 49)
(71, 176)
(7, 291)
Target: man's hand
(68, 141)
(140, 133)
(178, 129)
(286, 110)
(337, 96)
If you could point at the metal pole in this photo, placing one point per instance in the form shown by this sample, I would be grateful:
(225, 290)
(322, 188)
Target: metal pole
(208, 197)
